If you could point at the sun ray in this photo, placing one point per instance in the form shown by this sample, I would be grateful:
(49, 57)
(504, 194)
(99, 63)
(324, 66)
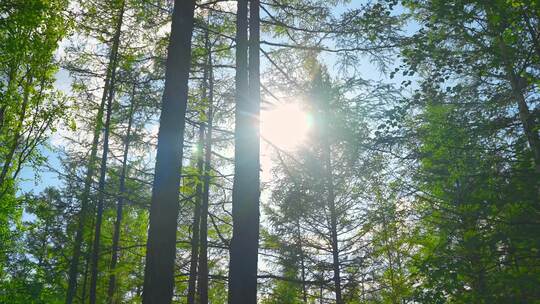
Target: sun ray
(285, 125)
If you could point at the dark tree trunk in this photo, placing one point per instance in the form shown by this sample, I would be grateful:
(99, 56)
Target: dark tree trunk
(527, 120)
(197, 226)
(101, 195)
(333, 225)
(530, 128)
(74, 263)
(302, 261)
(194, 258)
(16, 138)
(87, 255)
(85, 275)
(192, 281)
(245, 202)
(518, 85)
(161, 245)
(203, 256)
(330, 199)
(2, 111)
(120, 204)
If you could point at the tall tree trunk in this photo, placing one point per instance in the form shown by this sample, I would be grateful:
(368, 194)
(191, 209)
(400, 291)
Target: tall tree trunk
(120, 203)
(161, 245)
(331, 204)
(87, 256)
(196, 216)
(102, 175)
(16, 136)
(203, 256)
(101, 198)
(518, 85)
(245, 202)
(302, 261)
(193, 273)
(527, 120)
(85, 275)
(197, 226)
(194, 258)
(530, 128)
(74, 263)
(333, 227)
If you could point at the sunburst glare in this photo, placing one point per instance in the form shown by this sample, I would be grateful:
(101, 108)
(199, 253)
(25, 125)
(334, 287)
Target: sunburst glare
(285, 125)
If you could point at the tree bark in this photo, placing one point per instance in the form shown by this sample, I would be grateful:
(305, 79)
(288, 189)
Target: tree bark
(331, 204)
(161, 245)
(120, 204)
(74, 263)
(527, 120)
(302, 261)
(16, 137)
(101, 196)
(333, 225)
(196, 215)
(245, 202)
(518, 85)
(85, 275)
(87, 255)
(197, 227)
(203, 256)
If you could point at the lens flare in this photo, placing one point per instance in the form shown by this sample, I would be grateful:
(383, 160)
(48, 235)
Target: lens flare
(286, 125)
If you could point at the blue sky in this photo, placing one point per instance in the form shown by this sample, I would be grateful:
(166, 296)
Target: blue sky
(36, 180)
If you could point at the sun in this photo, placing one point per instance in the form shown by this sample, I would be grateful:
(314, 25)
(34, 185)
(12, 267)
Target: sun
(285, 125)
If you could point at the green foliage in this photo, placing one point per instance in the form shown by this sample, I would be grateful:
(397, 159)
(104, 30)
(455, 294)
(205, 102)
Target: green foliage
(435, 181)
(473, 162)
(30, 106)
(36, 264)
